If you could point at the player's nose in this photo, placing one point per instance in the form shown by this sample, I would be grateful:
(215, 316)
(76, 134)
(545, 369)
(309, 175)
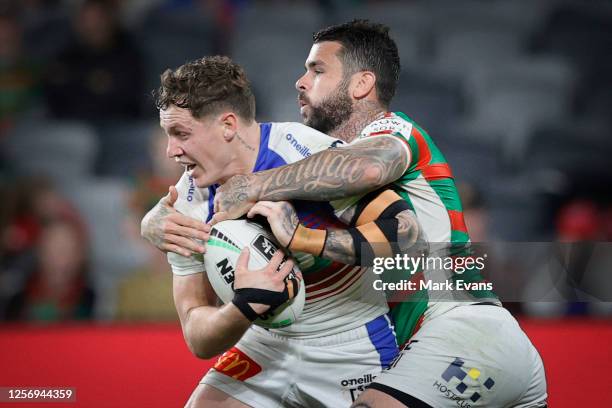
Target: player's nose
(173, 149)
(300, 84)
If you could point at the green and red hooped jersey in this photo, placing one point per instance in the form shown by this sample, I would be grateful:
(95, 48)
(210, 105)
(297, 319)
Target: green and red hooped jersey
(428, 186)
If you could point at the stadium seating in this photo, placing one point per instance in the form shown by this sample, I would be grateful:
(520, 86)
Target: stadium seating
(274, 62)
(171, 38)
(103, 204)
(61, 151)
(124, 148)
(434, 100)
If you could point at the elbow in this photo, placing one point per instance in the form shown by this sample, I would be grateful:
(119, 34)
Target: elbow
(199, 348)
(382, 171)
(374, 177)
(204, 338)
(201, 352)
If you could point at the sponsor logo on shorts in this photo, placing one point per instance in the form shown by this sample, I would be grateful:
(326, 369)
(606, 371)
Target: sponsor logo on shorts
(234, 363)
(455, 371)
(356, 386)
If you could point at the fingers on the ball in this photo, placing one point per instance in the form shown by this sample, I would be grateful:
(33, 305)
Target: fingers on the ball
(253, 211)
(272, 206)
(286, 268)
(201, 235)
(177, 220)
(194, 232)
(172, 228)
(293, 286)
(276, 260)
(243, 259)
(186, 243)
(189, 222)
(260, 209)
(177, 250)
(218, 217)
(190, 232)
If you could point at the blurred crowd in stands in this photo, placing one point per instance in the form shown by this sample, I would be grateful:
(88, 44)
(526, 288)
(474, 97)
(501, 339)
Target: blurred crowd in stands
(517, 94)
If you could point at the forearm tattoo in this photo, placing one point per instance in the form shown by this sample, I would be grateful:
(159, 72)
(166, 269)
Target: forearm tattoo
(335, 173)
(236, 191)
(339, 247)
(290, 219)
(410, 236)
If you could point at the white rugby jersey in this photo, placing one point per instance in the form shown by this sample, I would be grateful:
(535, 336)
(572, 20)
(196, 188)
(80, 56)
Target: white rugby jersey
(338, 297)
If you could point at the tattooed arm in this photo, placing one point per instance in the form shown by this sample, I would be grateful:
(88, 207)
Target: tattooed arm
(344, 245)
(340, 243)
(328, 175)
(170, 231)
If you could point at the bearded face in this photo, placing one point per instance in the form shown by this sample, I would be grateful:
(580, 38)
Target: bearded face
(333, 110)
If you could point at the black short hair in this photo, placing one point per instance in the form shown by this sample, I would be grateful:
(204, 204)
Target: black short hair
(366, 46)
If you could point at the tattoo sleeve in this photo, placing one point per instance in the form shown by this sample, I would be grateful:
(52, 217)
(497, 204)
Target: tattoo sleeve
(290, 219)
(411, 239)
(340, 245)
(335, 173)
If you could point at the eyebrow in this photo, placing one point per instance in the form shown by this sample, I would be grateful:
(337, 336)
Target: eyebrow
(176, 128)
(313, 64)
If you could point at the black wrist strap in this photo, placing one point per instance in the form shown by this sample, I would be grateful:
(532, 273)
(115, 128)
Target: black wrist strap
(243, 305)
(244, 296)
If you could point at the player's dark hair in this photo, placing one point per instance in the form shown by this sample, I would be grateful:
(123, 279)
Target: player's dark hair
(366, 47)
(206, 86)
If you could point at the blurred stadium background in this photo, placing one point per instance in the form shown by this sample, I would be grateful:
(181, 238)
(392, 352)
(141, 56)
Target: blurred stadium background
(517, 93)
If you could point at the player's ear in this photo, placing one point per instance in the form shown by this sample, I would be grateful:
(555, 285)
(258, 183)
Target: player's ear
(364, 83)
(229, 121)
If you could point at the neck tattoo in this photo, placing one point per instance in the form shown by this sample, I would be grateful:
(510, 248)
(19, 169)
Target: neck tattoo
(364, 112)
(244, 143)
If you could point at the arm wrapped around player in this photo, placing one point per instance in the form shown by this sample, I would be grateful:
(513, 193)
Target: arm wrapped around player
(382, 225)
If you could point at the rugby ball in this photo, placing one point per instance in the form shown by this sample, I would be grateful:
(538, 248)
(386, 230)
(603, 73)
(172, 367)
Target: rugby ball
(223, 247)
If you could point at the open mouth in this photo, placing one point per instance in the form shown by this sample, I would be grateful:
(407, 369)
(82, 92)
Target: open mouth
(189, 168)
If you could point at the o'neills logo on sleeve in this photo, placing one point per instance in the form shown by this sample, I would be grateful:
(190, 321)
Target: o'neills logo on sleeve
(234, 363)
(303, 150)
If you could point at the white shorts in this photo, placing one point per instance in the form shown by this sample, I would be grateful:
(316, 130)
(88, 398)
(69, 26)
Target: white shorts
(471, 356)
(265, 370)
